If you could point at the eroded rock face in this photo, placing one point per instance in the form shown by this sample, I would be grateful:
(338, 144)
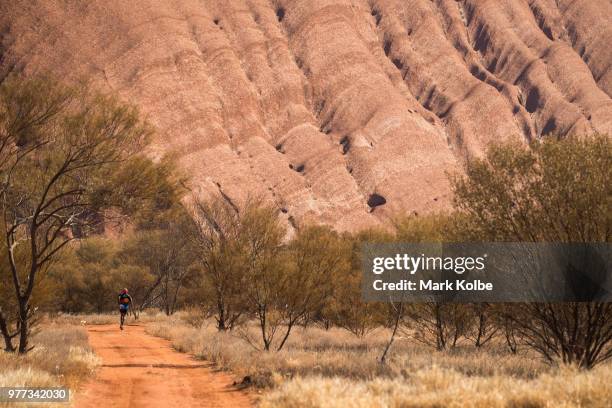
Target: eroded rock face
(321, 105)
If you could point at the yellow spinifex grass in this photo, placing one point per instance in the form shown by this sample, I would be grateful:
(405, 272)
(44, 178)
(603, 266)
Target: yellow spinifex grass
(61, 358)
(437, 387)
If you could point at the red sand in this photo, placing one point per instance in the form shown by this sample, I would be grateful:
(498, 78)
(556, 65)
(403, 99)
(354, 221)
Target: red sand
(139, 370)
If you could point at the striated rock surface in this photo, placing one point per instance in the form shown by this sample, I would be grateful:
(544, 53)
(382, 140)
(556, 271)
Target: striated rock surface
(338, 111)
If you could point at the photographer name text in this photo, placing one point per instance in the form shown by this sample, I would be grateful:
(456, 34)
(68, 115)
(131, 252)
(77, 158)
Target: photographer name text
(431, 285)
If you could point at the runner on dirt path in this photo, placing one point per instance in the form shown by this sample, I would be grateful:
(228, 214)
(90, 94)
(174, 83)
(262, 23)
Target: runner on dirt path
(125, 300)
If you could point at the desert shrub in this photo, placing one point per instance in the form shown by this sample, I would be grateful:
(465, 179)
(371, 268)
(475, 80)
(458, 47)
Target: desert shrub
(554, 191)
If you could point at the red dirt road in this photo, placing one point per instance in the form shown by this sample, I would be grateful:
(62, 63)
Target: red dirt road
(139, 370)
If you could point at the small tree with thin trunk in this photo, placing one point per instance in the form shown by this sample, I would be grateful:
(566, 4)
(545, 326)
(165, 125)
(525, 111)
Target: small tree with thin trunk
(167, 256)
(60, 150)
(437, 323)
(215, 236)
(290, 283)
(265, 278)
(347, 309)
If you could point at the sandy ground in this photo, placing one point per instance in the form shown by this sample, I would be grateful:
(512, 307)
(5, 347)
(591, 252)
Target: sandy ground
(139, 370)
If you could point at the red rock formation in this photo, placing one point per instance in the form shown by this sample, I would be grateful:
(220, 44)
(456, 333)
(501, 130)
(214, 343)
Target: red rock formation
(338, 111)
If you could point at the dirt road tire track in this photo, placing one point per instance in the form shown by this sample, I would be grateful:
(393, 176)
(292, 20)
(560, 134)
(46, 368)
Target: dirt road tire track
(139, 370)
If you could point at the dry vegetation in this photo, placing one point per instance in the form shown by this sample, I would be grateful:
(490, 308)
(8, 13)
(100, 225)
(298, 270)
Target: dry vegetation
(437, 387)
(61, 357)
(333, 368)
(330, 368)
(105, 318)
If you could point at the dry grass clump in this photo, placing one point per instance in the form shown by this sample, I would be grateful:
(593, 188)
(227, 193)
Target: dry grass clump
(104, 318)
(335, 353)
(61, 357)
(26, 376)
(229, 351)
(437, 387)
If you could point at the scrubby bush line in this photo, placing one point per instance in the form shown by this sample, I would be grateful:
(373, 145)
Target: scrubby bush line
(236, 267)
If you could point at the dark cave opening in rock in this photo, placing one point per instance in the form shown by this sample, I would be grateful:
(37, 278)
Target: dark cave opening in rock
(377, 15)
(533, 100)
(550, 127)
(299, 168)
(477, 73)
(345, 142)
(376, 200)
(387, 47)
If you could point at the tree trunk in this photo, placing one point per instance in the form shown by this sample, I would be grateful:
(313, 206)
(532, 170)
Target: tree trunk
(24, 327)
(398, 317)
(175, 298)
(510, 339)
(262, 324)
(481, 325)
(8, 338)
(440, 335)
(221, 323)
(289, 327)
(166, 296)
